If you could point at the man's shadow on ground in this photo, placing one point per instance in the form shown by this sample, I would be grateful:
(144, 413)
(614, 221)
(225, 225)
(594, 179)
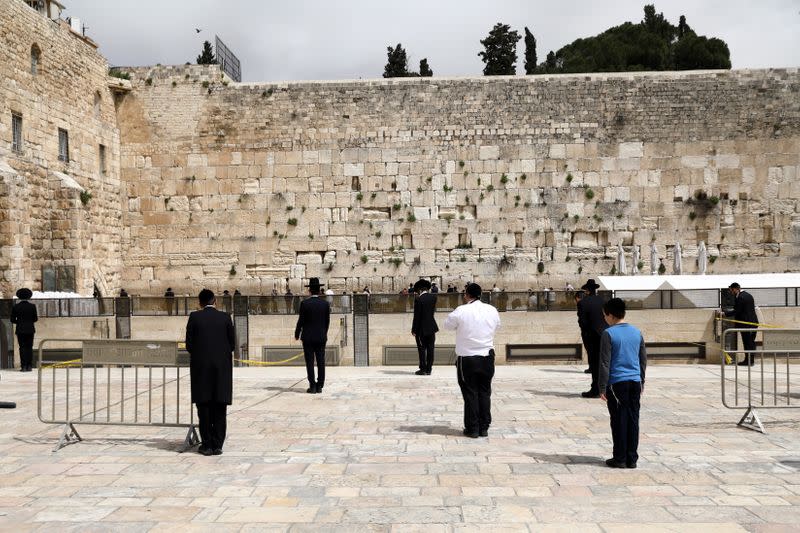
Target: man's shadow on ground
(565, 459)
(432, 430)
(559, 394)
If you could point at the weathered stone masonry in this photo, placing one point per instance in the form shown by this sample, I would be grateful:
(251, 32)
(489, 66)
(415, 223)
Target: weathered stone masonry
(522, 181)
(375, 182)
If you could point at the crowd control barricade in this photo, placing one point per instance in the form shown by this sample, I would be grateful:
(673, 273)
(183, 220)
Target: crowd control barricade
(772, 382)
(115, 382)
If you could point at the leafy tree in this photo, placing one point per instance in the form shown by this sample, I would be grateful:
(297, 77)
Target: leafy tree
(530, 52)
(424, 70)
(206, 57)
(397, 64)
(652, 44)
(500, 51)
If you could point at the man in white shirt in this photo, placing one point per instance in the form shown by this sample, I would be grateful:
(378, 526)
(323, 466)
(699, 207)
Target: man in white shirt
(475, 324)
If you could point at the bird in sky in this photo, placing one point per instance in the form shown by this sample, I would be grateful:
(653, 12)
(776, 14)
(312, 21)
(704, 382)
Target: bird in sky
(198, 30)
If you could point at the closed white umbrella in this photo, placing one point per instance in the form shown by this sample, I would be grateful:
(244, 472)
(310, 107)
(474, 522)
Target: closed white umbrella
(653, 259)
(635, 259)
(621, 266)
(677, 265)
(702, 258)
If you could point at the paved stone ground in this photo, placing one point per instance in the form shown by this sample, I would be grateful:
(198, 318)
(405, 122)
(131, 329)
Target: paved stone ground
(382, 450)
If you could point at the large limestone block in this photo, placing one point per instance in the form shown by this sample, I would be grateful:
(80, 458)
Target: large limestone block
(488, 152)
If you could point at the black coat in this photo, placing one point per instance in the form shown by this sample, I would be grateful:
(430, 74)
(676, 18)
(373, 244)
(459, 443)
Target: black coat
(211, 340)
(590, 314)
(23, 314)
(424, 323)
(744, 309)
(313, 321)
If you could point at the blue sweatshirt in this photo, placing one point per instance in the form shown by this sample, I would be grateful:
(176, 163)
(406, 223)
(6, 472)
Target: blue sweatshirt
(622, 355)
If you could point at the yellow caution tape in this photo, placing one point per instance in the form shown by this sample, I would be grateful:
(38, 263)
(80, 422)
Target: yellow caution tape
(267, 363)
(63, 363)
(748, 323)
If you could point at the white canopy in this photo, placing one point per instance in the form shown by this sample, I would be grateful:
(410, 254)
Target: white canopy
(687, 282)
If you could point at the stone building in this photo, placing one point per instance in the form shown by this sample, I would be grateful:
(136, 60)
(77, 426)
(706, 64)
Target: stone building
(526, 181)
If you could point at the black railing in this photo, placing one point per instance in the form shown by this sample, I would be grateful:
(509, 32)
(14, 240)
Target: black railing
(505, 301)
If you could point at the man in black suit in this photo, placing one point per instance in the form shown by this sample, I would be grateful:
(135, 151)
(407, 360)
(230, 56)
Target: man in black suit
(23, 314)
(424, 326)
(312, 328)
(744, 311)
(210, 340)
(592, 324)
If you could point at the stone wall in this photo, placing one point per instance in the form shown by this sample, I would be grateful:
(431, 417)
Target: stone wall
(42, 218)
(522, 181)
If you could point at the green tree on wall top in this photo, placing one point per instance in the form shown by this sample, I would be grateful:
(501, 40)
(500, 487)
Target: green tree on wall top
(397, 62)
(424, 70)
(500, 51)
(530, 52)
(206, 57)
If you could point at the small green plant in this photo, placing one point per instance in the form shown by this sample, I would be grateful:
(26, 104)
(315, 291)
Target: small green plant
(589, 194)
(495, 239)
(292, 221)
(359, 197)
(397, 207)
(463, 259)
(148, 81)
(613, 270)
(489, 188)
(311, 236)
(540, 267)
(174, 84)
(396, 261)
(662, 269)
(447, 188)
(373, 195)
(712, 259)
(527, 204)
(411, 217)
(329, 267)
(289, 207)
(205, 84)
(263, 94)
(85, 196)
(378, 234)
(466, 173)
(114, 73)
(232, 271)
(419, 189)
(640, 265)
(523, 177)
(580, 269)
(503, 179)
(692, 215)
(569, 178)
(568, 258)
(576, 218)
(364, 258)
(460, 164)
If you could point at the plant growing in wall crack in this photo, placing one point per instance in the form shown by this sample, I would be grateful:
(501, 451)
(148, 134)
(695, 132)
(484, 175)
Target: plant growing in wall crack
(232, 271)
(85, 196)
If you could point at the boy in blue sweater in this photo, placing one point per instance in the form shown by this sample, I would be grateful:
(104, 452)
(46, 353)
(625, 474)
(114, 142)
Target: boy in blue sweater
(623, 360)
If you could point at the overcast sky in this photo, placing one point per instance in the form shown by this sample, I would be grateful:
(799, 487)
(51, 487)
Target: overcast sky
(347, 39)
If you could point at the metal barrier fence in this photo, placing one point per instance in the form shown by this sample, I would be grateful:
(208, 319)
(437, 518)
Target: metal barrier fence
(772, 382)
(117, 383)
(546, 300)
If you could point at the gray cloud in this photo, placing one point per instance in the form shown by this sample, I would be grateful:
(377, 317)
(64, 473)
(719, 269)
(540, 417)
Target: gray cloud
(317, 39)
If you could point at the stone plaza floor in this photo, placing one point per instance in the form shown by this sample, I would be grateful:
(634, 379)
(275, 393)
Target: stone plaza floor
(381, 450)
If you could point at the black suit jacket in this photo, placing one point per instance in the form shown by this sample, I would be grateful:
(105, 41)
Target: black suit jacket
(313, 321)
(744, 309)
(590, 314)
(23, 314)
(424, 323)
(211, 340)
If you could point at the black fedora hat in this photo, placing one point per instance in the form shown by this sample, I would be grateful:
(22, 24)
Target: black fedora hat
(313, 283)
(590, 285)
(422, 285)
(24, 294)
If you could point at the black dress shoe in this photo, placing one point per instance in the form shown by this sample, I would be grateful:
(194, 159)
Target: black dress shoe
(484, 433)
(311, 390)
(613, 463)
(746, 363)
(587, 371)
(630, 465)
(204, 451)
(590, 394)
(470, 434)
(420, 372)
(319, 389)
(427, 372)
(216, 451)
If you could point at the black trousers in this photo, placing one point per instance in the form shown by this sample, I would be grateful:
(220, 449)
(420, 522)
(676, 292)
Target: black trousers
(623, 407)
(749, 344)
(25, 341)
(425, 347)
(313, 351)
(475, 375)
(591, 341)
(212, 419)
